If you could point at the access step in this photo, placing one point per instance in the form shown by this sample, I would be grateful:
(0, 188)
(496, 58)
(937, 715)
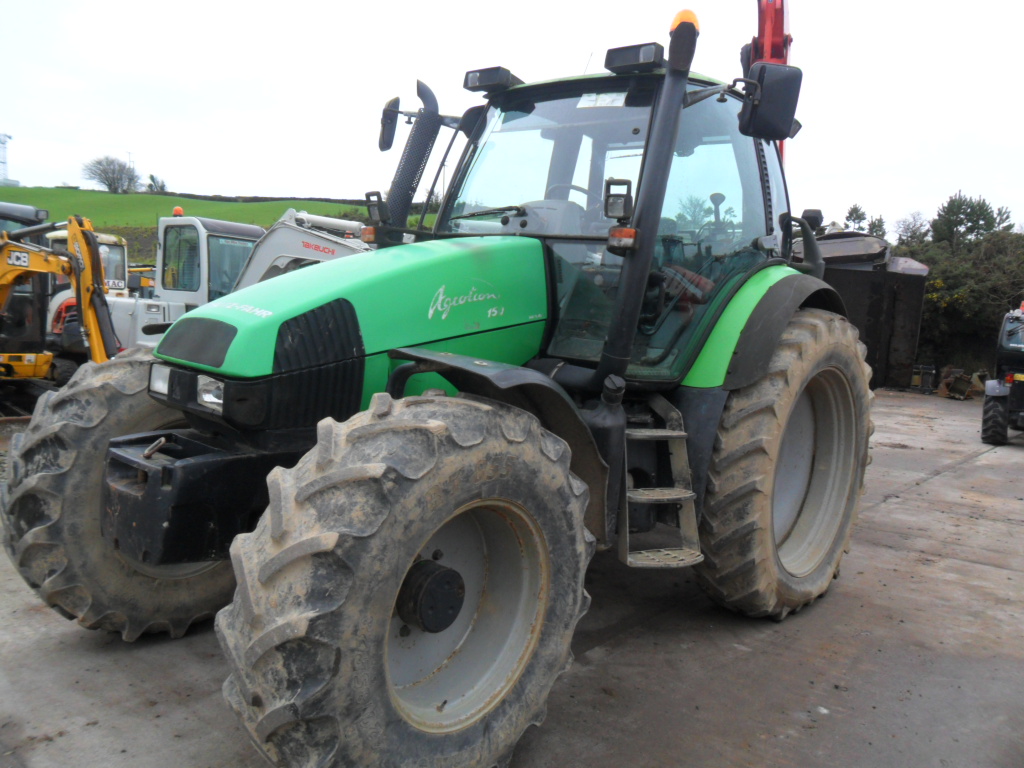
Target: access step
(645, 433)
(659, 495)
(664, 558)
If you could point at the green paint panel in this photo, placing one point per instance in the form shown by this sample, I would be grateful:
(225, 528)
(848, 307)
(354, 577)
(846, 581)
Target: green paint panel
(412, 295)
(516, 346)
(712, 363)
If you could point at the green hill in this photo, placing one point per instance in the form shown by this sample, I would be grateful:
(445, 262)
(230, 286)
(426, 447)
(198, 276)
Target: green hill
(108, 211)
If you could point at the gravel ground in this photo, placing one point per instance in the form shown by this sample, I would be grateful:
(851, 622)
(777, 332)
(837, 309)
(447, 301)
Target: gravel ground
(912, 660)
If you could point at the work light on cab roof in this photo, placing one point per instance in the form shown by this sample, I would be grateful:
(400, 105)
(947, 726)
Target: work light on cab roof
(635, 58)
(490, 80)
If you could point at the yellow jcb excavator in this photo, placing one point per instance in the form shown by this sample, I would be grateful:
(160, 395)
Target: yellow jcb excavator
(24, 267)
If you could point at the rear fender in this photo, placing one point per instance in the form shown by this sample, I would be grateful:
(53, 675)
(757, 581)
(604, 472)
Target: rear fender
(737, 352)
(764, 328)
(997, 388)
(530, 391)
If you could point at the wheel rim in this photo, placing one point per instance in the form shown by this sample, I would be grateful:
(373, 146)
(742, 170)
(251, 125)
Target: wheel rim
(814, 473)
(447, 680)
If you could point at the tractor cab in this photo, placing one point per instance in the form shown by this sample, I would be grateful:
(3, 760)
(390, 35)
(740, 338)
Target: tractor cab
(657, 194)
(541, 167)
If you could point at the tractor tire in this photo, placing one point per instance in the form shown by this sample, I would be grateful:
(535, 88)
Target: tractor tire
(327, 669)
(52, 501)
(995, 420)
(787, 472)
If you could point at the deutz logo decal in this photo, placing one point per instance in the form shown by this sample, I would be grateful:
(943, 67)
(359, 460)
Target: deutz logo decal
(442, 303)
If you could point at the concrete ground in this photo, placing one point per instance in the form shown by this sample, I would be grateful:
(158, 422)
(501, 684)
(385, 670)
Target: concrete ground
(914, 658)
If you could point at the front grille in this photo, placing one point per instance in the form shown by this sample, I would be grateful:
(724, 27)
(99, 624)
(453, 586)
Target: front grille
(303, 398)
(327, 334)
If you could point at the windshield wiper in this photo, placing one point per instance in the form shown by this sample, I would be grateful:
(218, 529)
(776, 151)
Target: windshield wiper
(517, 209)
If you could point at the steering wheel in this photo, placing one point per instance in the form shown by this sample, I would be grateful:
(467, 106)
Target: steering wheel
(565, 186)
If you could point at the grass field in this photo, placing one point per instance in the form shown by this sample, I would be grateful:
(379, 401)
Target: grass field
(109, 211)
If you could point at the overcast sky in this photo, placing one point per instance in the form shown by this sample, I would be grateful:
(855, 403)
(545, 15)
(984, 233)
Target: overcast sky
(903, 104)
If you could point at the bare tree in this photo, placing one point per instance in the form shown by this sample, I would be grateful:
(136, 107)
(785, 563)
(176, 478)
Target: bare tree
(913, 230)
(694, 212)
(116, 175)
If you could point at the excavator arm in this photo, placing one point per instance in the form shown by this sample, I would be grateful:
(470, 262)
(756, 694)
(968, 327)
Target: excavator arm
(87, 281)
(81, 264)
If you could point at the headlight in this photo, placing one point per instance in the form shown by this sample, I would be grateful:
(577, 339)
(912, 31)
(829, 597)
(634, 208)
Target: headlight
(210, 394)
(159, 378)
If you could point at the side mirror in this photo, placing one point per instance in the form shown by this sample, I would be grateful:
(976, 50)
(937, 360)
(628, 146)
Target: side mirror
(769, 111)
(388, 124)
(618, 202)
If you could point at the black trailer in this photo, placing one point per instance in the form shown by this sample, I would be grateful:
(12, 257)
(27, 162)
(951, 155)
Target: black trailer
(884, 295)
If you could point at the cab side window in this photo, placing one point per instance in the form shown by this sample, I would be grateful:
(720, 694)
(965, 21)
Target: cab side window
(182, 271)
(710, 236)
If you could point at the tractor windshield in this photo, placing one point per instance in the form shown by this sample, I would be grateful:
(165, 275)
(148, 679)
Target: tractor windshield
(1012, 336)
(540, 165)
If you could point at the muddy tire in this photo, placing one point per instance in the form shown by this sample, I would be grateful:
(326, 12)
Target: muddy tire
(995, 420)
(787, 472)
(327, 670)
(51, 510)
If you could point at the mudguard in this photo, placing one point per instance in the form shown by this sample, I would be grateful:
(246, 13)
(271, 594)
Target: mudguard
(745, 335)
(534, 393)
(769, 319)
(997, 388)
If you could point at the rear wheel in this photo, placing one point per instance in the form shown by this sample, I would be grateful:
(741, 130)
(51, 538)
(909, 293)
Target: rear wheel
(52, 508)
(995, 420)
(787, 472)
(410, 594)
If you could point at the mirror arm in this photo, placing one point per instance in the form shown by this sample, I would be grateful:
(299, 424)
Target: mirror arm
(696, 97)
(751, 89)
(447, 121)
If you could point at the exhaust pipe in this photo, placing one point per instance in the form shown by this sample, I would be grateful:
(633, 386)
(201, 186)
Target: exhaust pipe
(414, 157)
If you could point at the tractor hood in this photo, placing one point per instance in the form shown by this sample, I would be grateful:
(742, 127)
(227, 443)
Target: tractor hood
(365, 304)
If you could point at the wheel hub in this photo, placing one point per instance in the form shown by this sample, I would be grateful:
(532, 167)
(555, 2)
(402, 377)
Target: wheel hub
(431, 596)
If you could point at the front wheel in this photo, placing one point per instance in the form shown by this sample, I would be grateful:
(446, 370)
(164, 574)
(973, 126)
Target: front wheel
(52, 506)
(995, 420)
(410, 594)
(787, 471)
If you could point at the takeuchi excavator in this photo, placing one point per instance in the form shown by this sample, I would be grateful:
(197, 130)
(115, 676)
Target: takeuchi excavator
(24, 266)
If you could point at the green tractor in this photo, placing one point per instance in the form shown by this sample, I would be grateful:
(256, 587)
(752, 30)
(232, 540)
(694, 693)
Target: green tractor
(394, 468)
